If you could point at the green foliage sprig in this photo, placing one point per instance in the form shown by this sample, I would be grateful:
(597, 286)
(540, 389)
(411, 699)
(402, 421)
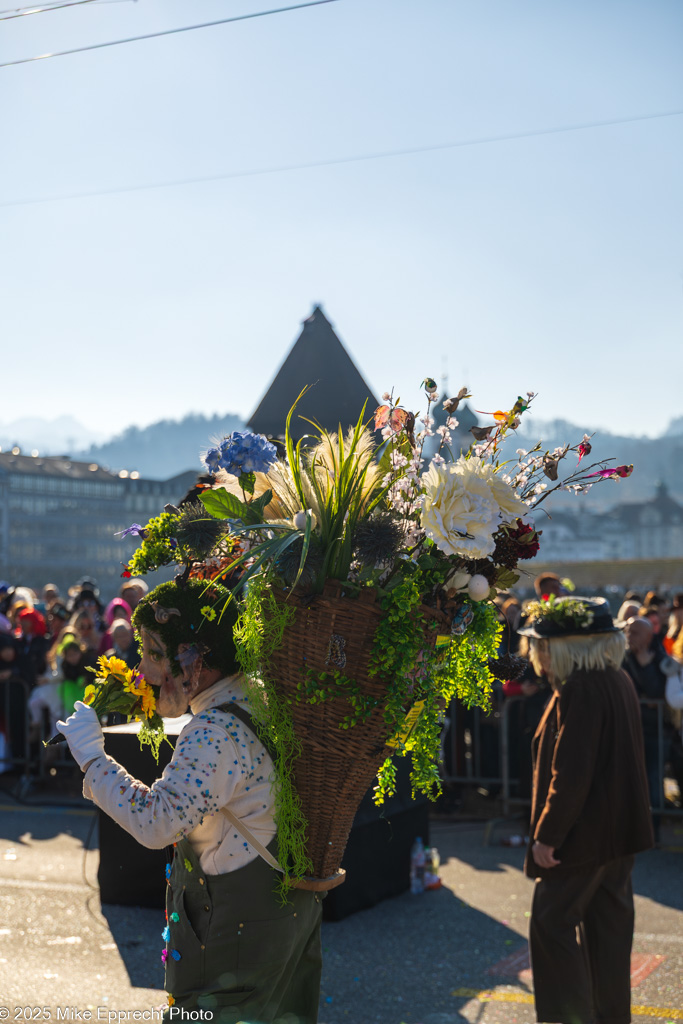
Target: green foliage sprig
(565, 611)
(156, 549)
(460, 670)
(257, 634)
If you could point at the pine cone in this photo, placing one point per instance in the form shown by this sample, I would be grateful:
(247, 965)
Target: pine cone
(506, 551)
(507, 667)
(483, 567)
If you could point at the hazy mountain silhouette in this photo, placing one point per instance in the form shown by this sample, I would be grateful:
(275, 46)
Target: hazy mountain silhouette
(49, 437)
(654, 459)
(169, 447)
(165, 448)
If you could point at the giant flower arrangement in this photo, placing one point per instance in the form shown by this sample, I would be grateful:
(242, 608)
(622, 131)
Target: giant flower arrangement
(402, 561)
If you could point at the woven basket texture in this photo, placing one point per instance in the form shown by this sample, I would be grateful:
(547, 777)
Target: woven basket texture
(337, 766)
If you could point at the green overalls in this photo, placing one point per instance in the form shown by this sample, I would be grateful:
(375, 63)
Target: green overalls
(233, 949)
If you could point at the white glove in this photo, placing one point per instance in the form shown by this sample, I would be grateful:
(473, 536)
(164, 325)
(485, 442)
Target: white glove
(83, 734)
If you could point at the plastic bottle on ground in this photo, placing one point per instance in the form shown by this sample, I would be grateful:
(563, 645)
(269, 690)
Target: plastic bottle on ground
(418, 860)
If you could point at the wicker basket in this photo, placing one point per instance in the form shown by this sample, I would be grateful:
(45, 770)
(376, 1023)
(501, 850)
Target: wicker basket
(337, 766)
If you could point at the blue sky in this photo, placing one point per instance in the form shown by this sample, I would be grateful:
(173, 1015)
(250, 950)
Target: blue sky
(552, 263)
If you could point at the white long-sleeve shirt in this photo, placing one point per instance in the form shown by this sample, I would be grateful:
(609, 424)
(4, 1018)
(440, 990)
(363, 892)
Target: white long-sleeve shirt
(217, 762)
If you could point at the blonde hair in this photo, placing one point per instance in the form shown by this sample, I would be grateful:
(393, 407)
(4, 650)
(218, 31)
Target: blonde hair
(567, 654)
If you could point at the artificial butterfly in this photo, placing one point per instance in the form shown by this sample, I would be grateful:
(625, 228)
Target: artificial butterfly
(398, 419)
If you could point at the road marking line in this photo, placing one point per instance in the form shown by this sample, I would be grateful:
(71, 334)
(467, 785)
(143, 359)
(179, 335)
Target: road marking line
(658, 1011)
(488, 996)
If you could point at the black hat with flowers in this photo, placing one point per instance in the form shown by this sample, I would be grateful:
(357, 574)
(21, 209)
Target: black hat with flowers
(194, 614)
(557, 617)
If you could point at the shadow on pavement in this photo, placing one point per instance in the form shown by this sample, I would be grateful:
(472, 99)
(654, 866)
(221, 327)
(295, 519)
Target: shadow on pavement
(137, 934)
(657, 875)
(412, 959)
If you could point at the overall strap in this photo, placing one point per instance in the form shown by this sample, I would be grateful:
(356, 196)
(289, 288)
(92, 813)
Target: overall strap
(243, 715)
(247, 719)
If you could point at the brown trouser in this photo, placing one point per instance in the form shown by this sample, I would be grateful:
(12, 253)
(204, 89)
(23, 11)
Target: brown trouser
(580, 937)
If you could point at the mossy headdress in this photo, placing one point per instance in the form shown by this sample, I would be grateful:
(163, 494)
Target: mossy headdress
(191, 614)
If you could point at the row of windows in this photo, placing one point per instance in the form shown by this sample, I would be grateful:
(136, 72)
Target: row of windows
(57, 529)
(128, 506)
(90, 554)
(39, 506)
(64, 485)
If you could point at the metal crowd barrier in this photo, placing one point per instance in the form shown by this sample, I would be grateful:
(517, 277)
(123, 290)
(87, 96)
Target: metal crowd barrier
(465, 745)
(23, 752)
(14, 695)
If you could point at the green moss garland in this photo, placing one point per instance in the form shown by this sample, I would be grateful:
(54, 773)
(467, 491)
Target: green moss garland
(258, 633)
(198, 622)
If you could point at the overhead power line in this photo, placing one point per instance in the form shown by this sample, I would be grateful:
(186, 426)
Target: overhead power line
(168, 32)
(23, 12)
(359, 158)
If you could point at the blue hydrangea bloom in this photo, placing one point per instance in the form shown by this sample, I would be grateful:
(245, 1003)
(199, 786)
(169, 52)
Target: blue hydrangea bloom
(212, 460)
(242, 452)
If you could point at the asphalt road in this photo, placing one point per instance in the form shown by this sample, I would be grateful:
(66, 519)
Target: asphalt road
(449, 956)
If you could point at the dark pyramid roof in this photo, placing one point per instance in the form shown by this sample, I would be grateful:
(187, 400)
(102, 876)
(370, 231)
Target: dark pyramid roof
(318, 358)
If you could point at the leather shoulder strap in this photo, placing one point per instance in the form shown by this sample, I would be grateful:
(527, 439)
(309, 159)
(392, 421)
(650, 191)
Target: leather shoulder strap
(243, 715)
(251, 839)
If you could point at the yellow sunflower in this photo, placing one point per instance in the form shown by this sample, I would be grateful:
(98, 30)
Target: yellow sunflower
(132, 682)
(112, 666)
(148, 699)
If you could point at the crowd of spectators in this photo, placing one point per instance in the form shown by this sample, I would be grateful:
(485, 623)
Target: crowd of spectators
(48, 643)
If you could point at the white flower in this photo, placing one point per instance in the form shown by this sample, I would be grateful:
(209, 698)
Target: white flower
(463, 505)
(458, 580)
(386, 397)
(299, 520)
(478, 588)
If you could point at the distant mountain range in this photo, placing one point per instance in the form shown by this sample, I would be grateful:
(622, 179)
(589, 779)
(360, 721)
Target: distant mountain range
(49, 437)
(163, 449)
(169, 447)
(655, 460)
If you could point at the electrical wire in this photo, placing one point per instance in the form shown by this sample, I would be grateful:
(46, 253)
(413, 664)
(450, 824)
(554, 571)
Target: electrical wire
(168, 32)
(23, 12)
(382, 155)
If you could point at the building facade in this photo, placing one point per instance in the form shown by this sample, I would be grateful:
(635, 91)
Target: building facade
(59, 518)
(632, 531)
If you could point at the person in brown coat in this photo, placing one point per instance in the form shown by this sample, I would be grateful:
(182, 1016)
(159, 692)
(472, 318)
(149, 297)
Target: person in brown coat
(590, 814)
